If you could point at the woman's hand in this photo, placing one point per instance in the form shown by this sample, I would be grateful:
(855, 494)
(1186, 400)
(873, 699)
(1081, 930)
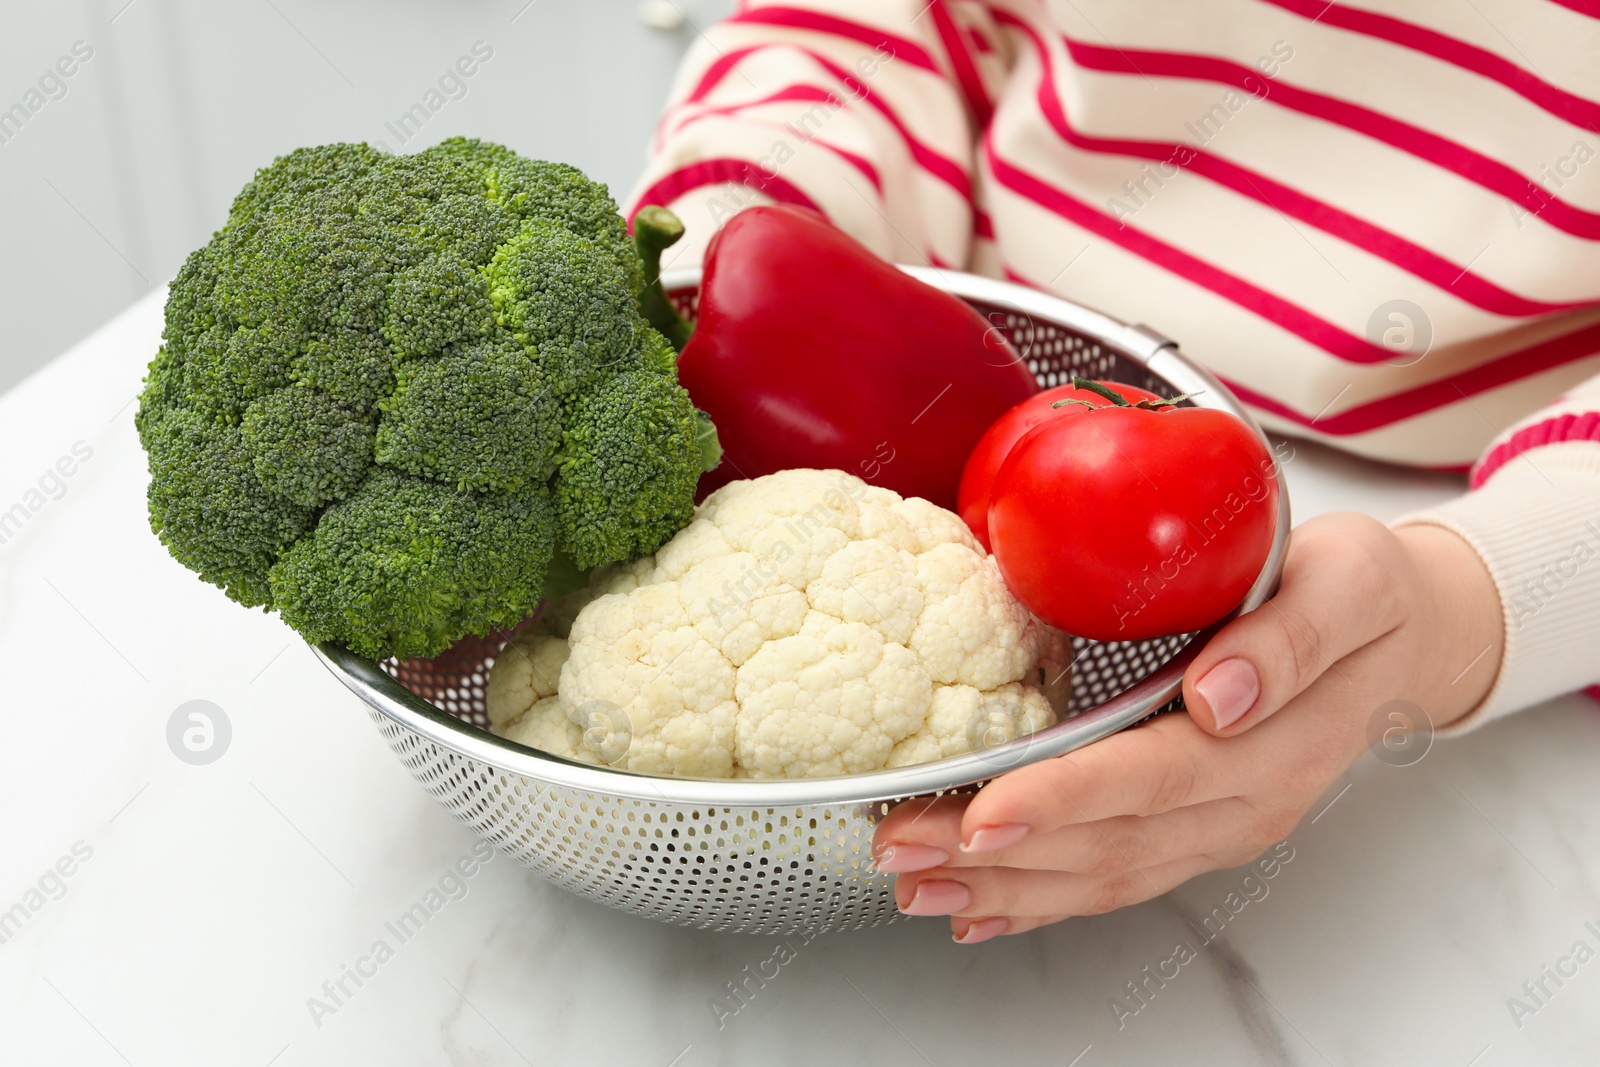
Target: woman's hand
(1365, 616)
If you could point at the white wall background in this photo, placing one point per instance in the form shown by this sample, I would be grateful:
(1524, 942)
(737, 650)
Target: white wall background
(133, 162)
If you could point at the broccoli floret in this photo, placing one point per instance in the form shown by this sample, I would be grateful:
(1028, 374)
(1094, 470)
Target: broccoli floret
(630, 458)
(479, 418)
(355, 368)
(306, 446)
(165, 392)
(190, 311)
(389, 388)
(535, 189)
(326, 172)
(564, 302)
(656, 352)
(232, 369)
(407, 565)
(211, 511)
(439, 302)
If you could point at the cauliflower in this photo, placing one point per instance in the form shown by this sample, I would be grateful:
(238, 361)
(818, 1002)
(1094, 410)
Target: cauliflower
(523, 683)
(804, 624)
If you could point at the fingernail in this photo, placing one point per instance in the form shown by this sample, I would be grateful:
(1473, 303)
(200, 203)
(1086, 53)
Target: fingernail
(982, 930)
(995, 838)
(938, 897)
(1231, 688)
(903, 859)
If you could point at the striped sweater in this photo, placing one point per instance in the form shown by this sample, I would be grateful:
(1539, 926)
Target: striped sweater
(1380, 228)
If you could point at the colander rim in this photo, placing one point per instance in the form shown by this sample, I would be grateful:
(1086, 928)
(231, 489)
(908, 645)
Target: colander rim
(383, 693)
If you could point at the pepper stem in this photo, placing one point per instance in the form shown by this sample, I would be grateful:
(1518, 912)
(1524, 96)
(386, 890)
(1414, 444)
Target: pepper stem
(655, 229)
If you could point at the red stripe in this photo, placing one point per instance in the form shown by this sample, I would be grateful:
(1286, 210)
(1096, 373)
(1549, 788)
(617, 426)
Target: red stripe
(1582, 7)
(861, 163)
(1572, 427)
(942, 167)
(1391, 247)
(1475, 167)
(671, 186)
(961, 61)
(1409, 403)
(795, 92)
(983, 225)
(1594, 690)
(1298, 321)
(718, 70)
(1376, 414)
(802, 19)
(787, 93)
(1557, 101)
(709, 80)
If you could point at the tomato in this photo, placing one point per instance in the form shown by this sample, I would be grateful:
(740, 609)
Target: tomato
(1125, 522)
(972, 500)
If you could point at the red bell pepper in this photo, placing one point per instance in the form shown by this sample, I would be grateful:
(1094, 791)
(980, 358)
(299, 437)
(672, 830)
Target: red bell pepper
(811, 351)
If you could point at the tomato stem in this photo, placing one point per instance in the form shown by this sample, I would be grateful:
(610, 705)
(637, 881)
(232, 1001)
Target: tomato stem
(1089, 385)
(1116, 398)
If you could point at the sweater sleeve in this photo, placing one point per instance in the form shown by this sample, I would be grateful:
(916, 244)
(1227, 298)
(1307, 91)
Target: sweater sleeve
(1533, 514)
(867, 110)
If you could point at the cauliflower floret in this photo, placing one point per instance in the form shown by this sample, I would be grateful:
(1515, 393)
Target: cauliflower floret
(934, 526)
(832, 701)
(973, 631)
(873, 583)
(637, 658)
(545, 726)
(751, 609)
(804, 624)
(526, 672)
(962, 719)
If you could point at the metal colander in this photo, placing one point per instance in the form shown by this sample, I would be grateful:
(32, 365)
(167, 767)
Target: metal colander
(774, 856)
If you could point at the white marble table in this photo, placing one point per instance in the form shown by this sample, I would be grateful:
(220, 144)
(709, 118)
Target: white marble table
(205, 905)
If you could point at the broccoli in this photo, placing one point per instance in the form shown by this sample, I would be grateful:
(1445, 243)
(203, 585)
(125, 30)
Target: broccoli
(396, 393)
(623, 489)
(417, 563)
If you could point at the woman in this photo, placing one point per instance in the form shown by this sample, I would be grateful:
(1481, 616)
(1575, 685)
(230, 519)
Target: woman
(1382, 230)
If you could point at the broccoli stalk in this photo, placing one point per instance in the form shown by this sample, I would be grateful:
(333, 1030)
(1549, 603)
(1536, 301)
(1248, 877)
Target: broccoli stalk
(392, 390)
